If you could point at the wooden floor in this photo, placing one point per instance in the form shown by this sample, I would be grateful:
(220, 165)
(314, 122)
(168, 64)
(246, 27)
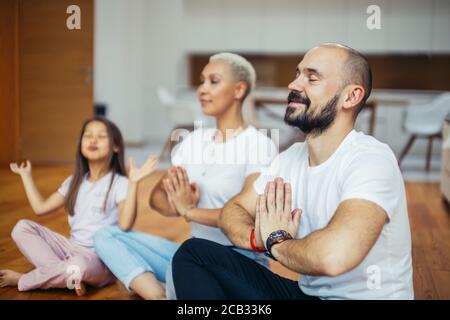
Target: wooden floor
(429, 218)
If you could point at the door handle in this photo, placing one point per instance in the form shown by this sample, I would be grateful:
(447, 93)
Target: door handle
(88, 73)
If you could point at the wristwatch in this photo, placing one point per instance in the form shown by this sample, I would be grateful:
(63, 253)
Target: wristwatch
(274, 238)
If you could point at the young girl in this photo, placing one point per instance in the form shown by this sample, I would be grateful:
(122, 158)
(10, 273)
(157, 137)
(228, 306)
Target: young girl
(92, 196)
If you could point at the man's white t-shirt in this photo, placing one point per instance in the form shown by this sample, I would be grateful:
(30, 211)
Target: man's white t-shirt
(361, 168)
(220, 169)
(89, 212)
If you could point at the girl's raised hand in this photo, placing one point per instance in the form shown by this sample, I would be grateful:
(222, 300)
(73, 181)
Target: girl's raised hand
(23, 169)
(137, 174)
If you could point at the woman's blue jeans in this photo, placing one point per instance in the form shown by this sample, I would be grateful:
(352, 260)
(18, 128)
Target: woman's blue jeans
(131, 253)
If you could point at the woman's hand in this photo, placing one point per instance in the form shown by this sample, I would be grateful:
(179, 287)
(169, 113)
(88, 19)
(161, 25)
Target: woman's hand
(182, 195)
(24, 169)
(136, 174)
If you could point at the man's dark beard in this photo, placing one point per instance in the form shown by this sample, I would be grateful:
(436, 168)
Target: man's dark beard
(307, 123)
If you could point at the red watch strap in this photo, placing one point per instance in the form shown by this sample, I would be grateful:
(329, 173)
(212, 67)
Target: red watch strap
(252, 243)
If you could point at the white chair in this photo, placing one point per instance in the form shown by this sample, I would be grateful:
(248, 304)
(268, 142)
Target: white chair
(179, 111)
(445, 166)
(182, 113)
(426, 121)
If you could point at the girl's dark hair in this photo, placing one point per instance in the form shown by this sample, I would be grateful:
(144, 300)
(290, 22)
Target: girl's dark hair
(115, 160)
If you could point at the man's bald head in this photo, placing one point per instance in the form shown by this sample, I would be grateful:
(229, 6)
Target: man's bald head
(355, 70)
(332, 81)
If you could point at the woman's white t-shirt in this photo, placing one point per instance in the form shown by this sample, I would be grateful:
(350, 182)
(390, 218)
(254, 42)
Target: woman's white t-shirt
(89, 212)
(361, 168)
(220, 169)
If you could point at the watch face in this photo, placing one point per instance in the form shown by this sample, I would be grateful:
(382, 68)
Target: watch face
(280, 234)
(276, 237)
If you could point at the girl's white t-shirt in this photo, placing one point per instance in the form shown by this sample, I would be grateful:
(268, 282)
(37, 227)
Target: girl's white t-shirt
(361, 168)
(89, 212)
(220, 169)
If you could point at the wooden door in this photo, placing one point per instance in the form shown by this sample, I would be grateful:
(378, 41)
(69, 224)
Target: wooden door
(55, 78)
(9, 110)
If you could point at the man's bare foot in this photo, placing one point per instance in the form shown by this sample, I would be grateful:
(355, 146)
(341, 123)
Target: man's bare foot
(9, 278)
(80, 289)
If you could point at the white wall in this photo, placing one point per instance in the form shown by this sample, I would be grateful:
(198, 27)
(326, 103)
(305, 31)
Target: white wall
(143, 43)
(297, 25)
(118, 60)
